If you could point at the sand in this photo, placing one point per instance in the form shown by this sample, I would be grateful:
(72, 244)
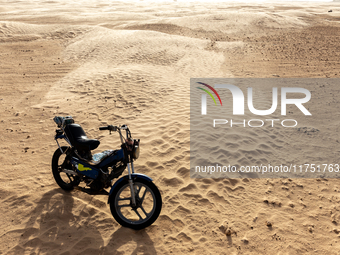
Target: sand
(131, 63)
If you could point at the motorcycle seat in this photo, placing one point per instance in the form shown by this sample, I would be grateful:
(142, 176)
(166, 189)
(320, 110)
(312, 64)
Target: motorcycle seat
(78, 138)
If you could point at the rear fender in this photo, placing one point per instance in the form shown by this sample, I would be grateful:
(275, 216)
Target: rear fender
(126, 177)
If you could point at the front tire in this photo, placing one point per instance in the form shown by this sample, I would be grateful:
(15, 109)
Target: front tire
(148, 204)
(64, 180)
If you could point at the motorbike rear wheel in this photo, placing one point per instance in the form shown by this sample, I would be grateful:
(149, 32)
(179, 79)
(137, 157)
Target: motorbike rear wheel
(65, 181)
(148, 204)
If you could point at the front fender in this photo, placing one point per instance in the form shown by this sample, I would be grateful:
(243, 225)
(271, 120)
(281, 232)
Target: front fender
(126, 177)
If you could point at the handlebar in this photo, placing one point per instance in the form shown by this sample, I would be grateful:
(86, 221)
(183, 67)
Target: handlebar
(118, 128)
(109, 127)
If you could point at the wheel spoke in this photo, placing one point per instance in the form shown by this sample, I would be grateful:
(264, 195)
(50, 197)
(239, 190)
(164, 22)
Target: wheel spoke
(146, 214)
(127, 205)
(69, 177)
(122, 199)
(140, 217)
(142, 198)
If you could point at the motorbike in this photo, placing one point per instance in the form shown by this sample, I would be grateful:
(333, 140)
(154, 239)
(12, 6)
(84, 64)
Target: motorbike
(135, 201)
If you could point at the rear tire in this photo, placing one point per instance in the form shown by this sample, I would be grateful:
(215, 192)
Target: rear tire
(64, 180)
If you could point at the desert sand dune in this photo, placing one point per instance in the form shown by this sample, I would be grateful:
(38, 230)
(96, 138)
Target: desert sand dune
(131, 63)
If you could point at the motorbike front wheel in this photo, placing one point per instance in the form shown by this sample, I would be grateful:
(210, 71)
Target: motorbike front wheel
(148, 204)
(65, 181)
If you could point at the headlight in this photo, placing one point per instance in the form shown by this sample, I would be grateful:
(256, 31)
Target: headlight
(135, 152)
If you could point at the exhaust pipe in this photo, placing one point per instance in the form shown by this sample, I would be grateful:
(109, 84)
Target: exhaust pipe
(67, 171)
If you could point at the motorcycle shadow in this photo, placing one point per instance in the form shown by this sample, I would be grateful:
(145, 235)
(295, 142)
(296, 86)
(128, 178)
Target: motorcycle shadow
(128, 241)
(61, 224)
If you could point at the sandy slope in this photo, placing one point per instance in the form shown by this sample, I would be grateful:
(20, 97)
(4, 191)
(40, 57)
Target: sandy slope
(104, 65)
